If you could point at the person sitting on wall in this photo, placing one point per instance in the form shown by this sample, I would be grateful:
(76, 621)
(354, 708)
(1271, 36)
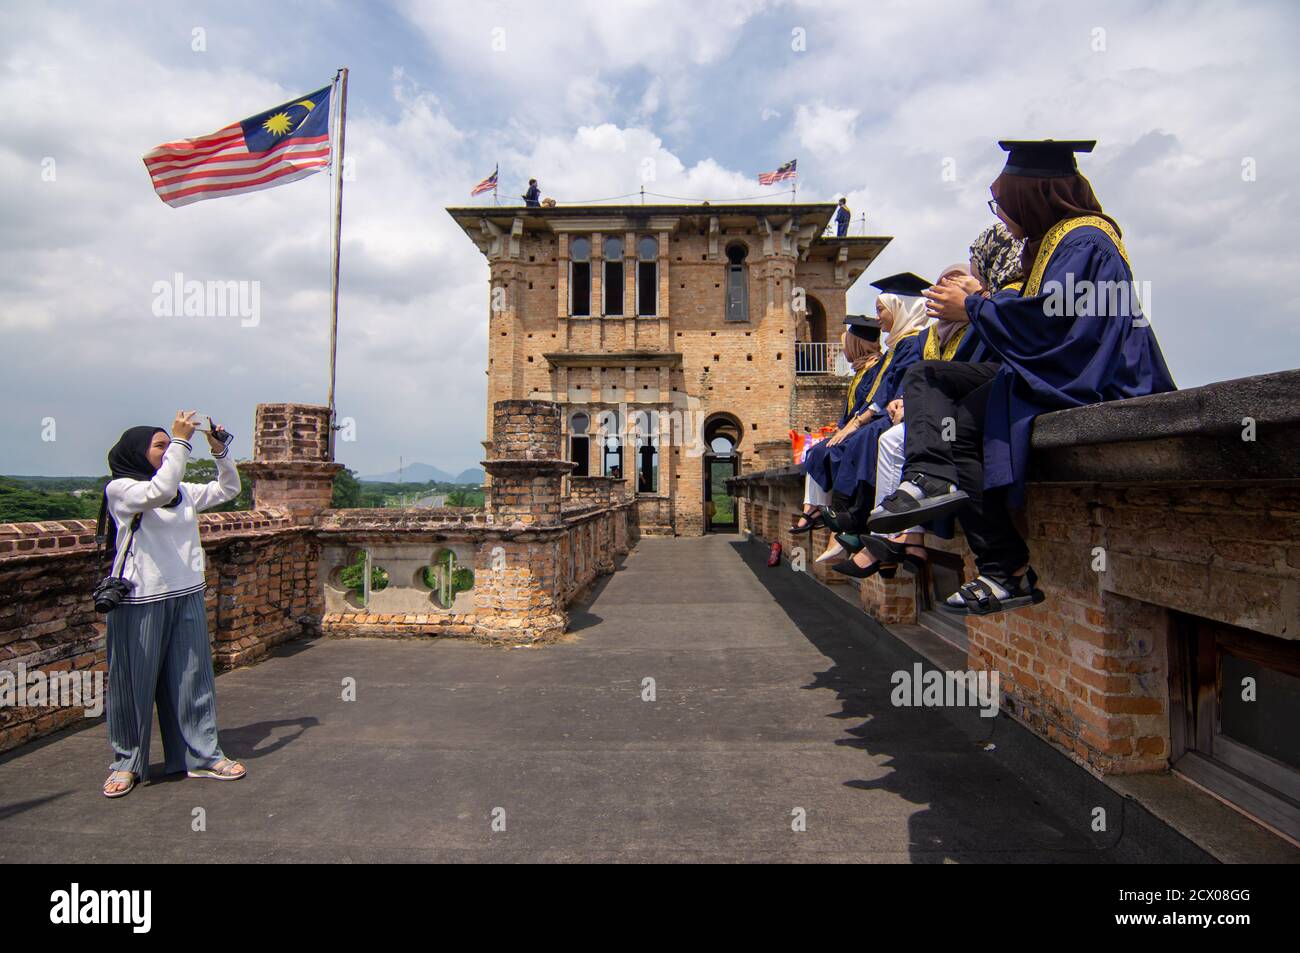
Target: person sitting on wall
(995, 264)
(853, 471)
(901, 312)
(1049, 354)
(861, 346)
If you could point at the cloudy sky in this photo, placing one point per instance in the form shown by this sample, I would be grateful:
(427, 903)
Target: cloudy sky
(1194, 107)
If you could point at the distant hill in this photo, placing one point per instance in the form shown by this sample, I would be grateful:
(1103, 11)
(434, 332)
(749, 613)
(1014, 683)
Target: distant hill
(424, 473)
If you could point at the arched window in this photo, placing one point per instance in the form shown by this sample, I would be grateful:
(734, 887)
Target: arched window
(737, 282)
(647, 277)
(613, 249)
(580, 276)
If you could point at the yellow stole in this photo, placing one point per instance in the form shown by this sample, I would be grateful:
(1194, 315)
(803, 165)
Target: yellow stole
(1053, 238)
(853, 388)
(884, 366)
(932, 352)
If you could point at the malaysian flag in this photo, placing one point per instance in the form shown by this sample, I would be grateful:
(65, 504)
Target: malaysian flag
(487, 185)
(786, 171)
(280, 145)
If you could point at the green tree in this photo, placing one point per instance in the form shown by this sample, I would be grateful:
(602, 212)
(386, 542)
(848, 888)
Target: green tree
(18, 504)
(205, 471)
(346, 493)
(353, 576)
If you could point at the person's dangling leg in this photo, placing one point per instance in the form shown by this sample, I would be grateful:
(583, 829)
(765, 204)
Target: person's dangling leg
(187, 691)
(813, 494)
(889, 460)
(931, 488)
(134, 642)
(931, 392)
(1001, 555)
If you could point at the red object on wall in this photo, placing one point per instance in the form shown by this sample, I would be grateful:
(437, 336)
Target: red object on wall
(774, 557)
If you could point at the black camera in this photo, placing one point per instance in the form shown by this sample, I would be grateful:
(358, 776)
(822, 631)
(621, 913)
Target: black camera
(109, 593)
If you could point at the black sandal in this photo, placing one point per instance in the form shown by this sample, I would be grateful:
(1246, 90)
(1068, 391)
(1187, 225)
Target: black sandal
(814, 519)
(927, 500)
(978, 597)
(848, 567)
(891, 551)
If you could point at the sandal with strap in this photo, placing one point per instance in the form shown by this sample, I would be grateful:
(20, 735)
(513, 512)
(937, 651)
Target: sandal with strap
(119, 777)
(219, 773)
(985, 595)
(807, 523)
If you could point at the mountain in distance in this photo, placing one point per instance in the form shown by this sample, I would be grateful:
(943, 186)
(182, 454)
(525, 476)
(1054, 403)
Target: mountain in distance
(424, 473)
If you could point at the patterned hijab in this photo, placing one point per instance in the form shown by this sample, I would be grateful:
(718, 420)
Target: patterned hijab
(997, 257)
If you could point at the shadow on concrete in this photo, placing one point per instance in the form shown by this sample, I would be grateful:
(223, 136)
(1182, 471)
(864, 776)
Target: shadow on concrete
(10, 810)
(988, 789)
(246, 739)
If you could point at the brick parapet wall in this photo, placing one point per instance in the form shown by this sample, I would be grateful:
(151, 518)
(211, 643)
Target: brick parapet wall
(1089, 669)
(260, 576)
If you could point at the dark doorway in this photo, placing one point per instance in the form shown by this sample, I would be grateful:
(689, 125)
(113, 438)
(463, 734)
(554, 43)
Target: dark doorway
(719, 505)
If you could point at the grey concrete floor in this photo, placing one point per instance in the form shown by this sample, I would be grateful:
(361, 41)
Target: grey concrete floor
(772, 699)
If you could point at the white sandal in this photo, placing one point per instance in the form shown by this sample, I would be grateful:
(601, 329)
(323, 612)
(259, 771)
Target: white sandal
(119, 777)
(217, 773)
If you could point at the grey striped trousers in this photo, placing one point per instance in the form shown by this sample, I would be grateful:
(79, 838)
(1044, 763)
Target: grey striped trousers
(158, 652)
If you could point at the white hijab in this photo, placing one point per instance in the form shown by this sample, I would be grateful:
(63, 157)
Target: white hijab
(909, 315)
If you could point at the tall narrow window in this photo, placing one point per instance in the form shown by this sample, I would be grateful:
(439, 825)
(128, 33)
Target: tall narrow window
(580, 276)
(612, 457)
(737, 283)
(647, 277)
(647, 452)
(579, 444)
(613, 249)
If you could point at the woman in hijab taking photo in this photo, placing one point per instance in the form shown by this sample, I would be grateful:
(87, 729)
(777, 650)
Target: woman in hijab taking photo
(158, 647)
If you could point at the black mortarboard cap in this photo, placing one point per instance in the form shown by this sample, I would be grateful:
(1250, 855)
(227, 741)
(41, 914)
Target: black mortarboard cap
(904, 283)
(1044, 158)
(862, 326)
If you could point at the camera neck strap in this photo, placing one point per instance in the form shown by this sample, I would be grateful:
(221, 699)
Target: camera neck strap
(126, 550)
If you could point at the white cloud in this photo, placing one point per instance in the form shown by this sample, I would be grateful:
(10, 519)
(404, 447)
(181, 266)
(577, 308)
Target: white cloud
(587, 96)
(824, 129)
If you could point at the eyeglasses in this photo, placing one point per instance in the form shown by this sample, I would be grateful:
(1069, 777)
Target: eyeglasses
(993, 206)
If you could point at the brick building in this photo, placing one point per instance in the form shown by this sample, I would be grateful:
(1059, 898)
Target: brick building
(682, 341)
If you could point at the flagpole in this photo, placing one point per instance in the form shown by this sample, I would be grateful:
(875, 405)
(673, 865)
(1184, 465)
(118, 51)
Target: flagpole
(341, 83)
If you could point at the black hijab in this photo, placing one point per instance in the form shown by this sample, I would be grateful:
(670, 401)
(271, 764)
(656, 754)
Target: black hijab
(128, 459)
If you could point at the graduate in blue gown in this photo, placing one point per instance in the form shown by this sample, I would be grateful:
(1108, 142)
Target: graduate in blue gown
(861, 345)
(900, 296)
(995, 263)
(1074, 336)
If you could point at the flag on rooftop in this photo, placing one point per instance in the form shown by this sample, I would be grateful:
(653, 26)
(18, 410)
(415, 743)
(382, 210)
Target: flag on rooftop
(786, 171)
(281, 145)
(487, 185)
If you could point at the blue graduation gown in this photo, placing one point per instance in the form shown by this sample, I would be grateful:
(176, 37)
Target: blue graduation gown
(858, 462)
(821, 461)
(1051, 361)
